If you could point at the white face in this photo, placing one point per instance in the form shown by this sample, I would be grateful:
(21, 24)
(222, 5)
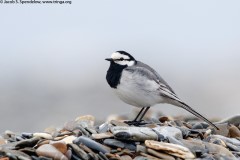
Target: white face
(122, 59)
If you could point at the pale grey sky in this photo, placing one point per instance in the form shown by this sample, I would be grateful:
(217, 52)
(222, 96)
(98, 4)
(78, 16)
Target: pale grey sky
(52, 57)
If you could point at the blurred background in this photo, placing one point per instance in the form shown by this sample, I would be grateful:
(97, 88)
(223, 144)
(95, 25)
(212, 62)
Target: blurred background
(52, 66)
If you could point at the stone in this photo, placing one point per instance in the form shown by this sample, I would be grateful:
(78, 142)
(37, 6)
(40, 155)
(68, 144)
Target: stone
(70, 126)
(219, 150)
(234, 132)
(223, 129)
(14, 154)
(79, 152)
(43, 135)
(28, 142)
(28, 150)
(69, 139)
(8, 134)
(148, 156)
(141, 158)
(134, 133)
(174, 140)
(207, 133)
(163, 119)
(233, 147)
(102, 135)
(215, 140)
(50, 151)
(103, 127)
(41, 158)
(194, 145)
(160, 155)
(197, 126)
(167, 131)
(172, 149)
(126, 157)
(68, 154)
(85, 121)
(103, 156)
(119, 144)
(91, 130)
(27, 135)
(61, 146)
(178, 123)
(51, 130)
(91, 144)
(233, 141)
(2, 141)
(185, 131)
(113, 143)
(141, 148)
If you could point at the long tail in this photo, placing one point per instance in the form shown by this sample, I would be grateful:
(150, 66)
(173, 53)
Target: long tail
(189, 109)
(167, 92)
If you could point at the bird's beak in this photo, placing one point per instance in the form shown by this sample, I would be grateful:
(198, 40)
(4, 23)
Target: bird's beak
(109, 59)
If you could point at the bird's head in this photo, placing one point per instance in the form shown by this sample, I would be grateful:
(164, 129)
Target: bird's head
(122, 58)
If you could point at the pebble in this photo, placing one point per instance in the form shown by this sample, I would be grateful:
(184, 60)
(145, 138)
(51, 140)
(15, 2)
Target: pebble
(134, 133)
(167, 131)
(126, 157)
(215, 149)
(141, 158)
(119, 144)
(234, 141)
(50, 151)
(85, 121)
(68, 139)
(61, 146)
(51, 130)
(160, 155)
(194, 145)
(27, 135)
(172, 149)
(28, 142)
(2, 141)
(103, 128)
(14, 154)
(234, 132)
(223, 129)
(43, 135)
(163, 119)
(156, 138)
(79, 152)
(102, 135)
(91, 144)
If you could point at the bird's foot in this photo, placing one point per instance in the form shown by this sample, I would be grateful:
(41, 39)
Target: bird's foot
(135, 123)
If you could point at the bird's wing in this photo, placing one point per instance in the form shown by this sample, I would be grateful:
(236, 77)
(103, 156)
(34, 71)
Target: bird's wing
(149, 73)
(153, 75)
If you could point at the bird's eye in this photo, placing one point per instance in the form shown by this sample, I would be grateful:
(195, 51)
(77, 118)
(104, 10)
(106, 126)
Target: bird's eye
(121, 59)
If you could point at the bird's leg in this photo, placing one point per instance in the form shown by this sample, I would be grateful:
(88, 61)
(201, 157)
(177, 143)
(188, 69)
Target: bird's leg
(147, 108)
(135, 120)
(139, 114)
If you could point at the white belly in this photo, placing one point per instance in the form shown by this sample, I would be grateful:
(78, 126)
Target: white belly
(139, 93)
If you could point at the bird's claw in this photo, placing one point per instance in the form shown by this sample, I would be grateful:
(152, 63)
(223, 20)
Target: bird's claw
(135, 123)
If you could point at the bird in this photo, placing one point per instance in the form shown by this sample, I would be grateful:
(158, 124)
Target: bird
(139, 85)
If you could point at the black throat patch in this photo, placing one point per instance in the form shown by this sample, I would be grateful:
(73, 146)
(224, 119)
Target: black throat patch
(114, 74)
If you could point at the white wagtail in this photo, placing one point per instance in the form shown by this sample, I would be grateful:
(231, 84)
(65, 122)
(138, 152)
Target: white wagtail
(139, 85)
